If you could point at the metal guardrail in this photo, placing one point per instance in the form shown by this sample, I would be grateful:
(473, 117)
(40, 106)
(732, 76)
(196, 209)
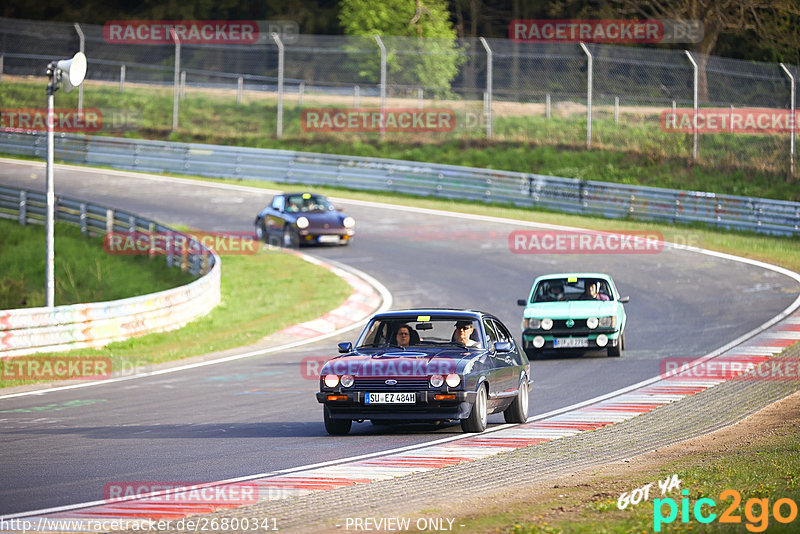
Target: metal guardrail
(569, 195)
(31, 330)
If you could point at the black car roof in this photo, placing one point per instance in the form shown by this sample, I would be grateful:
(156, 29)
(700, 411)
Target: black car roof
(433, 312)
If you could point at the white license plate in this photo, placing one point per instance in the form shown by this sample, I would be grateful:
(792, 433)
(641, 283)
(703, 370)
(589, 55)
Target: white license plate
(570, 342)
(390, 398)
(328, 239)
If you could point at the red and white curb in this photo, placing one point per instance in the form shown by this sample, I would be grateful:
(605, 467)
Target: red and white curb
(615, 408)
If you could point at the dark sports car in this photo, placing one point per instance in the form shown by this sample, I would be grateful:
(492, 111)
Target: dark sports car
(293, 219)
(426, 366)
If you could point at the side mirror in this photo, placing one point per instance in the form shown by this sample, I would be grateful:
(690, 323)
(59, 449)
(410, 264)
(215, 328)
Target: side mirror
(502, 346)
(345, 347)
(522, 302)
(625, 299)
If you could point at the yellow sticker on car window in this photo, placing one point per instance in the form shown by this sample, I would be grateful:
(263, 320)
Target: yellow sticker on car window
(306, 196)
(422, 318)
(572, 279)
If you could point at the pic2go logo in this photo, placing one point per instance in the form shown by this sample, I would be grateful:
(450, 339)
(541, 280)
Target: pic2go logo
(756, 511)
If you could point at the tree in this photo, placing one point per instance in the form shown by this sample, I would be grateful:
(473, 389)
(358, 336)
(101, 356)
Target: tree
(769, 20)
(420, 40)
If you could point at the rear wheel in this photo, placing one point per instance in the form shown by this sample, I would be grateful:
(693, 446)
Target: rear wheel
(517, 411)
(476, 422)
(615, 352)
(335, 427)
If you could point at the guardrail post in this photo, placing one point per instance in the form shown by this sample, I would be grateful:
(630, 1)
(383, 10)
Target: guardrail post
(83, 51)
(792, 120)
(695, 105)
(109, 221)
(301, 90)
(239, 87)
(122, 78)
(23, 208)
(131, 223)
(547, 105)
(383, 85)
(356, 96)
(616, 110)
(488, 102)
(588, 96)
(420, 103)
(278, 42)
(151, 228)
(183, 84)
(175, 80)
(1, 68)
(84, 229)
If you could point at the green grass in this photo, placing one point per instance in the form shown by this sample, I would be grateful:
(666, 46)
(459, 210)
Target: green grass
(84, 272)
(635, 151)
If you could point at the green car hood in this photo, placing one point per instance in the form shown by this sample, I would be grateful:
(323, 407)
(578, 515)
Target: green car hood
(575, 309)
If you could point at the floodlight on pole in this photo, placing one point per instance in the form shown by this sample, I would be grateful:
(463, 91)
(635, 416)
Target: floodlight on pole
(69, 73)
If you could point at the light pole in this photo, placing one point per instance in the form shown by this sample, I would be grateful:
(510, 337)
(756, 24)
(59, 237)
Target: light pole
(75, 71)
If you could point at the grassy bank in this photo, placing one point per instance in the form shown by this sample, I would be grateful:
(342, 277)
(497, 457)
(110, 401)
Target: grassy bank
(261, 294)
(634, 151)
(760, 460)
(84, 272)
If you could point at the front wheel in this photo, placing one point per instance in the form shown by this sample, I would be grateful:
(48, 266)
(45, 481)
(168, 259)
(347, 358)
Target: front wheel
(517, 411)
(335, 427)
(615, 352)
(290, 237)
(476, 422)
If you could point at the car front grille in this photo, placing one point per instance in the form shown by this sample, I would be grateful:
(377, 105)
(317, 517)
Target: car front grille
(379, 384)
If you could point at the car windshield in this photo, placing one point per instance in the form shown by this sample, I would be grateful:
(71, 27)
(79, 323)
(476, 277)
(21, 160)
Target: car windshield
(571, 288)
(307, 202)
(421, 331)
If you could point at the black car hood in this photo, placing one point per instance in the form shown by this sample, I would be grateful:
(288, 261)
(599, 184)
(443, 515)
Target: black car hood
(318, 219)
(398, 362)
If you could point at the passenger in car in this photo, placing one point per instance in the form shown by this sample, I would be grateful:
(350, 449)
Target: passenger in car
(591, 291)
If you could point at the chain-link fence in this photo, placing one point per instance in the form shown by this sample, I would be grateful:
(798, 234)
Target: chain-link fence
(560, 94)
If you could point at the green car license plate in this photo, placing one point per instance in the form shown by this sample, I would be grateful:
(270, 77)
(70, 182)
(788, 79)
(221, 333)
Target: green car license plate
(570, 342)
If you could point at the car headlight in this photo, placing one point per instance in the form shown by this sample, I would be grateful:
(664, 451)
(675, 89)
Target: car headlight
(592, 322)
(547, 323)
(611, 321)
(331, 380)
(302, 223)
(531, 323)
(347, 381)
(437, 381)
(348, 222)
(453, 380)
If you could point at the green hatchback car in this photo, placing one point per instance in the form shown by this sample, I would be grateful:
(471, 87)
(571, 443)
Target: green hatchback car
(573, 311)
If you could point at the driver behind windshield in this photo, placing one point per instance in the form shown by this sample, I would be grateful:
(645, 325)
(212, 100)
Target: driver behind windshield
(463, 332)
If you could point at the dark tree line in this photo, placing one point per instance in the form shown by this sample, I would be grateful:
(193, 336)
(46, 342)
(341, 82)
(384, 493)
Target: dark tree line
(763, 30)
